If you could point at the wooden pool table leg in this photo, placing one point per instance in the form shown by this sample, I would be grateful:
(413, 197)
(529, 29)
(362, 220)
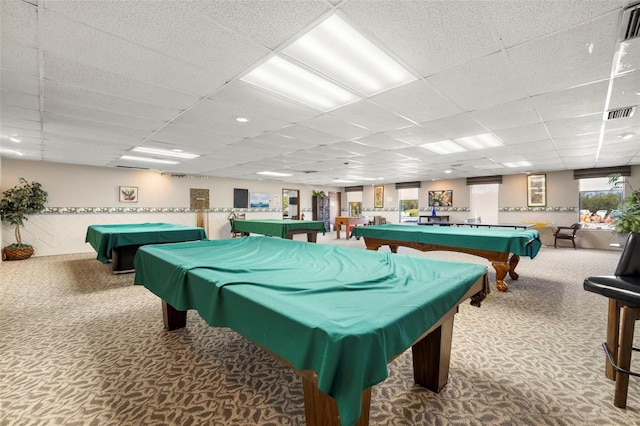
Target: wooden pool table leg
(312, 237)
(431, 356)
(173, 318)
(321, 410)
(513, 262)
(501, 272)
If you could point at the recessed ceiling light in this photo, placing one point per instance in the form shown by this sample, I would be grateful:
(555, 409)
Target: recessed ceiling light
(242, 119)
(336, 49)
(167, 153)
(15, 139)
(477, 142)
(294, 82)
(517, 164)
(447, 171)
(267, 173)
(443, 147)
(10, 151)
(147, 160)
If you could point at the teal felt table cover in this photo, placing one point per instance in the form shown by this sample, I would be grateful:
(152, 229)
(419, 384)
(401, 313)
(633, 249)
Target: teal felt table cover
(103, 238)
(276, 227)
(341, 312)
(523, 242)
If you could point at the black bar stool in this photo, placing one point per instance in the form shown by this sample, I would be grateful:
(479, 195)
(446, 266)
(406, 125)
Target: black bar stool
(623, 291)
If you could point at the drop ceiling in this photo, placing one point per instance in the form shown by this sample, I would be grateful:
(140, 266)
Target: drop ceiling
(87, 82)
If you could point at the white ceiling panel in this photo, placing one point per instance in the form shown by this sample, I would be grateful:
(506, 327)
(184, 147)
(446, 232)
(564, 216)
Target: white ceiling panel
(92, 80)
(417, 101)
(508, 115)
(568, 58)
(124, 86)
(495, 81)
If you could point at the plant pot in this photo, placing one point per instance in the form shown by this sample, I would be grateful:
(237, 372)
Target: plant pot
(17, 253)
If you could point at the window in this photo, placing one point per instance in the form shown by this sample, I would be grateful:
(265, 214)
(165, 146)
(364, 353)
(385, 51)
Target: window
(598, 203)
(408, 205)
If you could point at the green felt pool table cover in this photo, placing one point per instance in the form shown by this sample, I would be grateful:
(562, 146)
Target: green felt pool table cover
(341, 312)
(103, 238)
(276, 227)
(517, 241)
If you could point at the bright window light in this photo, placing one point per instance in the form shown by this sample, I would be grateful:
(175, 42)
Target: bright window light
(147, 160)
(165, 152)
(477, 142)
(337, 50)
(274, 174)
(294, 82)
(443, 147)
(517, 164)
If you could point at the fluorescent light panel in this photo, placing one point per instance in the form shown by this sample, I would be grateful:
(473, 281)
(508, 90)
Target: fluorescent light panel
(267, 173)
(147, 160)
(10, 151)
(165, 152)
(478, 142)
(444, 147)
(294, 82)
(517, 164)
(337, 50)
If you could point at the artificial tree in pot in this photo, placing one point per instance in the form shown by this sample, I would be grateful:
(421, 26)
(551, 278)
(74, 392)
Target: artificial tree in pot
(16, 204)
(627, 218)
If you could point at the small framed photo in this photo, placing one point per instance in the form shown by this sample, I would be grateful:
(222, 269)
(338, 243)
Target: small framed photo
(128, 194)
(537, 190)
(378, 197)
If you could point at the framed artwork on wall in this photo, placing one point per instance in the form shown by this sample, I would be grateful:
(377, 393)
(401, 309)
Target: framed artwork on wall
(536, 190)
(259, 200)
(378, 197)
(441, 198)
(128, 194)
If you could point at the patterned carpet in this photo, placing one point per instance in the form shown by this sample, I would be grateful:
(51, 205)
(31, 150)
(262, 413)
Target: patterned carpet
(82, 346)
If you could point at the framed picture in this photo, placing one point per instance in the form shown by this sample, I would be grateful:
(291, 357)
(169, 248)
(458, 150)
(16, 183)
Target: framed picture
(536, 190)
(378, 197)
(128, 194)
(441, 198)
(259, 200)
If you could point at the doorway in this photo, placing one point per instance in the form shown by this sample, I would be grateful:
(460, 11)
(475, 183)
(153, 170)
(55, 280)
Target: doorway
(290, 204)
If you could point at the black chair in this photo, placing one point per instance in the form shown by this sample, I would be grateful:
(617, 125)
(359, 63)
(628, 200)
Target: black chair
(566, 233)
(623, 291)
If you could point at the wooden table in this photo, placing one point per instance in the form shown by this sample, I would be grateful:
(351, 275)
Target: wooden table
(317, 309)
(348, 222)
(283, 228)
(502, 247)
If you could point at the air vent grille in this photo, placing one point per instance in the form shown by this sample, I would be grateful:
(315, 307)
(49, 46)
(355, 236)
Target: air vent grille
(631, 23)
(625, 112)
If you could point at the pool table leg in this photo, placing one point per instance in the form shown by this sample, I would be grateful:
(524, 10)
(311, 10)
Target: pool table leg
(173, 318)
(431, 356)
(513, 262)
(321, 410)
(501, 271)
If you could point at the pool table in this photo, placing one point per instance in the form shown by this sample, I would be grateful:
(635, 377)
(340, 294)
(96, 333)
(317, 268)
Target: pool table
(317, 308)
(283, 228)
(502, 247)
(119, 243)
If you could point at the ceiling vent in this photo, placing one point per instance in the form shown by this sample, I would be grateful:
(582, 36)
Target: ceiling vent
(625, 112)
(630, 23)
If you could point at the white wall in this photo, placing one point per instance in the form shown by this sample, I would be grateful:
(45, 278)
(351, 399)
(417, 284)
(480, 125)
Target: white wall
(166, 199)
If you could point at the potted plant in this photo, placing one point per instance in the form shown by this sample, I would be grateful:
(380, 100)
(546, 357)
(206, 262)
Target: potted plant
(627, 217)
(16, 204)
